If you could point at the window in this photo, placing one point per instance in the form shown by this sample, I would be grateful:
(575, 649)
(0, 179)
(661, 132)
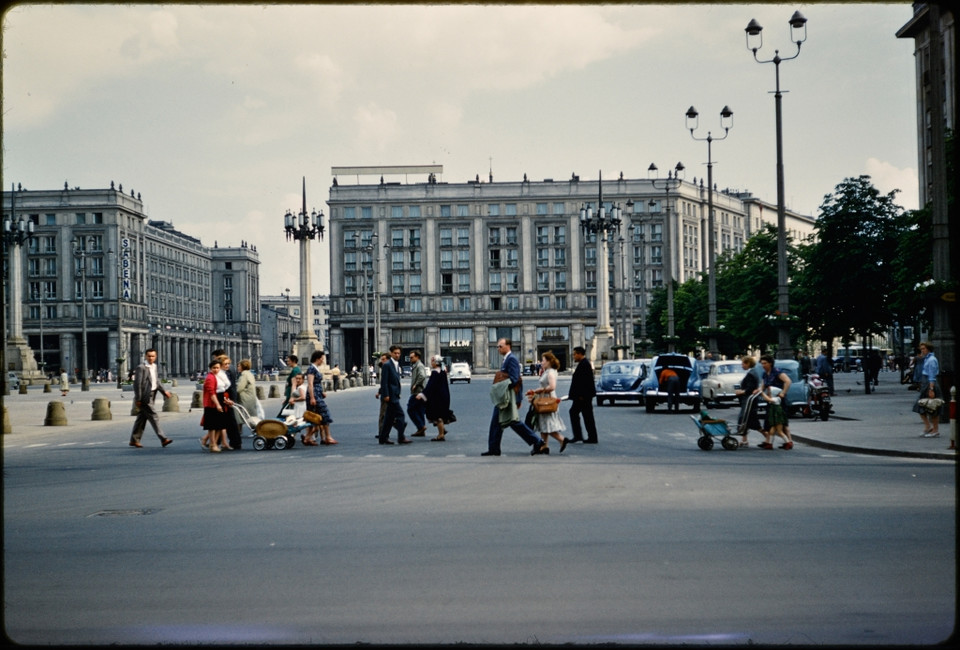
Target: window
(493, 236)
(511, 209)
(590, 256)
(396, 238)
(415, 305)
(81, 218)
(463, 259)
(512, 258)
(543, 303)
(559, 256)
(558, 208)
(513, 281)
(350, 212)
(396, 283)
(543, 281)
(445, 211)
(446, 237)
(560, 281)
(34, 312)
(513, 303)
(543, 237)
(396, 260)
(495, 304)
(463, 236)
(414, 260)
(493, 209)
(446, 259)
(49, 290)
(541, 209)
(414, 211)
(495, 282)
(463, 304)
(350, 285)
(396, 211)
(638, 254)
(97, 311)
(96, 289)
(48, 219)
(512, 236)
(350, 261)
(415, 283)
(446, 304)
(591, 280)
(463, 211)
(560, 302)
(543, 257)
(366, 212)
(33, 267)
(446, 283)
(398, 305)
(414, 237)
(96, 266)
(49, 244)
(592, 301)
(559, 234)
(656, 254)
(494, 258)
(463, 282)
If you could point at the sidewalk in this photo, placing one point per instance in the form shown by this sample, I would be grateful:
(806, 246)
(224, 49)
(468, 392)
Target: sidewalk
(881, 423)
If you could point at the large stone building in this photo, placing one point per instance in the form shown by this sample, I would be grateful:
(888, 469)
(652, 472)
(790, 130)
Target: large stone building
(144, 284)
(280, 325)
(452, 267)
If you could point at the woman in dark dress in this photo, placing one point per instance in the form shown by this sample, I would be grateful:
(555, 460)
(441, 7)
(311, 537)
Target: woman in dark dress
(749, 385)
(437, 396)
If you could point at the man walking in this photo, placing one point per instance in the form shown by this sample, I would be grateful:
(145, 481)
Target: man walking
(582, 391)
(824, 368)
(294, 364)
(390, 397)
(145, 388)
(417, 408)
(510, 371)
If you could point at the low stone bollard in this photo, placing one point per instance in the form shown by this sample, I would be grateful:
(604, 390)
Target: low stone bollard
(260, 392)
(46, 387)
(56, 415)
(171, 404)
(275, 391)
(101, 409)
(327, 385)
(23, 388)
(197, 400)
(173, 383)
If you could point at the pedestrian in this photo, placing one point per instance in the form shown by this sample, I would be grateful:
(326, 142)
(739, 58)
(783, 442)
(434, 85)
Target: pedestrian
(416, 409)
(383, 405)
(335, 374)
(548, 424)
(670, 384)
(316, 400)
(293, 364)
(64, 383)
(773, 376)
(929, 389)
(146, 385)
(298, 397)
(824, 369)
(390, 397)
(247, 393)
(214, 416)
(583, 388)
(749, 385)
(227, 378)
(436, 398)
(506, 394)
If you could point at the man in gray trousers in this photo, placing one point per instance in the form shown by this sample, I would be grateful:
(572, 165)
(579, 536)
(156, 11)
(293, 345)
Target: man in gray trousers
(146, 385)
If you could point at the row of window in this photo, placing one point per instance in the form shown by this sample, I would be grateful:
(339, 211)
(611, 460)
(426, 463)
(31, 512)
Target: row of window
(540, 209)
(50, 219)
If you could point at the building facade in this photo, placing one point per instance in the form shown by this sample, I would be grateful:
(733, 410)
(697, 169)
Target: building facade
(280, 325)
(451, 267)
(143, 283)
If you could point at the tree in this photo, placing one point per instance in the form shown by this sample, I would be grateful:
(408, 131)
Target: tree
(847, 276)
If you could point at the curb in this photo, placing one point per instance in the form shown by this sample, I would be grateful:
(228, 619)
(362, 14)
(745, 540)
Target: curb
(930, 455)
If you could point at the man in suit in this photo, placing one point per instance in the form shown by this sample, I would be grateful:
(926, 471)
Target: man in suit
(582, 391)
(417, 408)
(511, 366)
(390, 397)
(146, 385)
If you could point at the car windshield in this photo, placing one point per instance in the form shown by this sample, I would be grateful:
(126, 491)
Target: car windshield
(623, 369)
(727, 370)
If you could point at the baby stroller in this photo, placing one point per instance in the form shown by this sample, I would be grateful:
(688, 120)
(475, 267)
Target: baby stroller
(272, 434)
(710, 428)
(750, 405)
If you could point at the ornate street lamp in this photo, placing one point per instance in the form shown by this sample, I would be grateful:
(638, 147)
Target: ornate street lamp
(80, 253)
(798, 34)
(16, 233)
(726, 123)
(601, 224)
(305, 227)
(672, 181)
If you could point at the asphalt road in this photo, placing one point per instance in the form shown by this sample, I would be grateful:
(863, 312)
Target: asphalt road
(642, 539)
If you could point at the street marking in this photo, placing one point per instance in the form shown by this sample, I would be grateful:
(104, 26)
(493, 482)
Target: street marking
(66, 444)
(38, 444)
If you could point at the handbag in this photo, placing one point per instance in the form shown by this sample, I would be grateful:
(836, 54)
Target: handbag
(930, 404)
(545, 404)
(312, 418)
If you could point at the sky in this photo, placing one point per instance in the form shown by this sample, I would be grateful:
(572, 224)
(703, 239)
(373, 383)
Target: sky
(215, 113)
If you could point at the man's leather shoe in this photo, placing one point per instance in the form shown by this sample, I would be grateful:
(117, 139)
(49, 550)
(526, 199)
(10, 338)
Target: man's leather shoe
(421, 432)
(166, 441)
(386, 442)
(589, 442)
(134, 443)
(405, 441)
(490, 453)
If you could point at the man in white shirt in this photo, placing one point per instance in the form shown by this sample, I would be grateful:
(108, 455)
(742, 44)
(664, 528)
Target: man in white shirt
(146, 385)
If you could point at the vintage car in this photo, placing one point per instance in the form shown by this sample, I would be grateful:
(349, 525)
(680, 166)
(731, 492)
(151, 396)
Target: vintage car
(686, 369)
(620, 380)
(459, 372)
(722, 381)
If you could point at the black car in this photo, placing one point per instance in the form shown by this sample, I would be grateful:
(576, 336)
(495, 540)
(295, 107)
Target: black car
(620, 380)
(686, 369)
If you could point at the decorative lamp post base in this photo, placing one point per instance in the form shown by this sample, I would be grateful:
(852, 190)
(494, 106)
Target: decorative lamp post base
(22, 360)
(305, 345)
(600, 348)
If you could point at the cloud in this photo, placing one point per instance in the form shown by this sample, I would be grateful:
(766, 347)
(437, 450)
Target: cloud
(887, 178)
(376, 127)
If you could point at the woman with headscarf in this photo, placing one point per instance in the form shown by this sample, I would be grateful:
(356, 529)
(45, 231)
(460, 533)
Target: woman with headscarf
(436, 394)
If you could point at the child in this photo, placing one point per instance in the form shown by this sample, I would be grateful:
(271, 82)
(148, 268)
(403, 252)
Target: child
(776, 418)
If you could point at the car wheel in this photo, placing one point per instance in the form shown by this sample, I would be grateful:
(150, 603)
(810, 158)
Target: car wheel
(599, 402)
(650, 406)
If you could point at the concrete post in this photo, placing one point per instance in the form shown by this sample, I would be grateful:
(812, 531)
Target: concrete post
(56, 415)
(101, 409)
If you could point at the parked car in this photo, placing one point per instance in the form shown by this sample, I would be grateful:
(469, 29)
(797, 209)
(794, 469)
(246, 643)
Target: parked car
(13, 381)
(620, 380)
(686, 369)
(459, 372)
(406, 371)
(722, 381)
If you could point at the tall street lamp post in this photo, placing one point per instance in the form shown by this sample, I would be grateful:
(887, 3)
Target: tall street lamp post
(304, 228)
(798, 34)
(80, 253)
(726, 123)
(672, 181)
(364, 252)
(601, 224)
(16, 233)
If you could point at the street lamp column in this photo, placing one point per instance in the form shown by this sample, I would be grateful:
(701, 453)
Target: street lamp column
(798, 34)
(601, 224)
(672, 180)
(16, 233)
(304, 227)
(80, 253)
(726, 122)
